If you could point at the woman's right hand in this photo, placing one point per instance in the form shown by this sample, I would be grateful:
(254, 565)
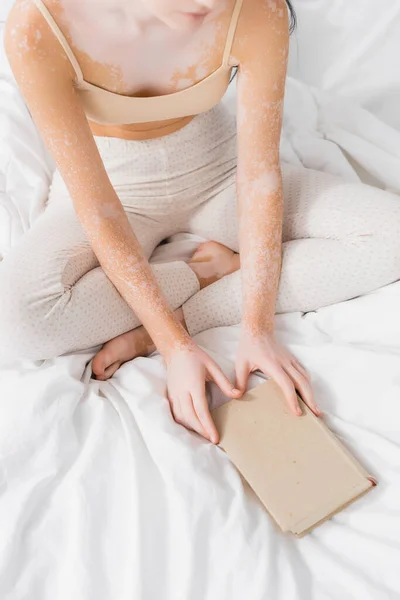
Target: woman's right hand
(188, 369)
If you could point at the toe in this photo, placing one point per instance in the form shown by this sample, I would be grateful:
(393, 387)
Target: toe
(109, 372)
(101, 362)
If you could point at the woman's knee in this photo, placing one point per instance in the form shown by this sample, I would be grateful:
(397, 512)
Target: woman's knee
(17, 323)
(37, 279)
(31, 302)
(323, 205)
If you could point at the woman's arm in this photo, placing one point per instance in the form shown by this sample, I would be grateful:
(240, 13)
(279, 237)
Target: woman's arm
(262, 50)
(46, 79)
(263, 54)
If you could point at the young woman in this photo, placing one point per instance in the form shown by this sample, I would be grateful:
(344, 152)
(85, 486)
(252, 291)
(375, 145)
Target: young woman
(126, 95)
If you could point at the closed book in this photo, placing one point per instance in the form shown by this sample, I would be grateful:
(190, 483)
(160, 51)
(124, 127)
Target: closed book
(299, 469)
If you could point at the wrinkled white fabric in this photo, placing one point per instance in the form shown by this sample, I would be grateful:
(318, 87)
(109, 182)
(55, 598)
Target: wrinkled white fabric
(103, 495)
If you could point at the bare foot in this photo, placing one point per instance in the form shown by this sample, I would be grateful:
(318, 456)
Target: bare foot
(210, 262)
(124, 347)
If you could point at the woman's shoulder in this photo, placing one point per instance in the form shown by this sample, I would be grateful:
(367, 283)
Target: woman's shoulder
(254, 10)
(262, 24)
(28, 38)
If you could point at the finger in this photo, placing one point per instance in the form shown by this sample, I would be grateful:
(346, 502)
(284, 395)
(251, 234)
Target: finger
(171, 402)
(200, 405)
(191, 418)
(176, 409)
(185, 415)
(300, 368)
(242, 375)
(219, 377)
(280, 376)
(303, 385)
(303, 379)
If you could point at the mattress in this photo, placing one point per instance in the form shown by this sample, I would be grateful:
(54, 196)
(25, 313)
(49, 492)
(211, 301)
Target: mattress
(104, 496)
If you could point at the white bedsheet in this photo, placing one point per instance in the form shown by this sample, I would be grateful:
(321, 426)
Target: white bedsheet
(103, 496)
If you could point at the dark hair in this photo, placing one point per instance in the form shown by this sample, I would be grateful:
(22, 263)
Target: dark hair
(292, 27)
(293, 18)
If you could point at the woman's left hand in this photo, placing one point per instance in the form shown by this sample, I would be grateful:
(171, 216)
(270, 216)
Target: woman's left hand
(263, 352)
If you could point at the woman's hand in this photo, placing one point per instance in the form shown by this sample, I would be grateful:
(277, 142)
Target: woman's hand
(188, 370)
(263, 352)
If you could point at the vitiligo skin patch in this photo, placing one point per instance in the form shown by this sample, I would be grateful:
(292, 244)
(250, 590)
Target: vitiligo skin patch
(260, 94)
(177, 55)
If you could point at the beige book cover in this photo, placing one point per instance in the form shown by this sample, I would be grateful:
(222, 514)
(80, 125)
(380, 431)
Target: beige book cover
(300, 470)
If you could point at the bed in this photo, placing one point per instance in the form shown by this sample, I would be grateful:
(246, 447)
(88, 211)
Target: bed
(103, 496)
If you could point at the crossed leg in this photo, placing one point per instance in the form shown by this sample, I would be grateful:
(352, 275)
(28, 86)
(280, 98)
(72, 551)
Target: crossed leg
(340, 240)
(211, 262)
(56, 299)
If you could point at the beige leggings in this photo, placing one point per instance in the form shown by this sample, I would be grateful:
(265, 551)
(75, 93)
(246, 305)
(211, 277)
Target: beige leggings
(340, 240)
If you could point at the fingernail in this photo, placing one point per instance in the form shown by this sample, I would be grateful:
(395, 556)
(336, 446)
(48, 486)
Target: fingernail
(236, 391)
(299, 411)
